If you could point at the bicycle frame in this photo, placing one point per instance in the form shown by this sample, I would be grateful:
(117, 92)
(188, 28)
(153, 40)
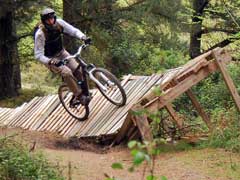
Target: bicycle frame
(106, 83)
(87, 69)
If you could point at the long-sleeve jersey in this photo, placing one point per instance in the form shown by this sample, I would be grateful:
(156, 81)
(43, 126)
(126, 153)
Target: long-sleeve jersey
(40, 39)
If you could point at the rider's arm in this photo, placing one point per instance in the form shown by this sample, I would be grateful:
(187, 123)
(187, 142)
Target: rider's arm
(39, 47)
(70, 30)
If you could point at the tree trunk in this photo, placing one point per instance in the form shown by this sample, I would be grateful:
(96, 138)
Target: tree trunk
(10, 79)
(69, 15)
(196, 31)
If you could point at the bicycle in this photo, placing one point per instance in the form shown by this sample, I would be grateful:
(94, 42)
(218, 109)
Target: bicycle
(106, 83)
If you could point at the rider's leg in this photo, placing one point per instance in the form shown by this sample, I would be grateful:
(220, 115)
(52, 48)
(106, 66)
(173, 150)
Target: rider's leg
(72, 64)
(68, 77)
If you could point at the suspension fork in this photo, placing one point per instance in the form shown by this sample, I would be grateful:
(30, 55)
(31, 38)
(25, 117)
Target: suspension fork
(90, 73)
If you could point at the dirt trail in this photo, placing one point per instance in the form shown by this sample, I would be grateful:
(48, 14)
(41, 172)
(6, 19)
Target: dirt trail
(92, 166)
(91, 162)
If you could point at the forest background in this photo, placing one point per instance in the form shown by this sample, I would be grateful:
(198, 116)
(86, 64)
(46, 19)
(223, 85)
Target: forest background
(140, 37)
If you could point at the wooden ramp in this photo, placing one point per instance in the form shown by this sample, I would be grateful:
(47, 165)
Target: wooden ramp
(106, 120)
(47, 114)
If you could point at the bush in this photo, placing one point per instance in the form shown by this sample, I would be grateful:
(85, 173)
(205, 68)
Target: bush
(25, 95)
(16, 163)
(226, 134)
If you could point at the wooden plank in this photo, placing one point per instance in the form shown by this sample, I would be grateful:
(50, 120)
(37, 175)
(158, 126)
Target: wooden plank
(143, 124)
(5, 114)
(227, 78)
(56, 113)
(31, 104)
(174, 115)
(109, 111)
(180, 88)
(193, 65)
(48, 110)
(59, 120)
(57, 123)
(199, 109)
(120, 113)
(100, 118)
(123, 130)
(95, 113)
(41, 111)
(67, 125)
(139, 92)
(29, 112)
(27, 121)
(24, 115)
(118, 125)
(168, 77)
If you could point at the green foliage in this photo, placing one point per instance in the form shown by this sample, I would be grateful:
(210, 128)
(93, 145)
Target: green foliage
(17, 163)
(213, 95)
(37, 76)
(142, 153)
(24, 96)
(226, 133)
(117, 166)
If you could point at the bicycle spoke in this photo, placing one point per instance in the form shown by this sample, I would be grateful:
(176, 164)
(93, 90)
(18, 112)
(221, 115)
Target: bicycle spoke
(79, 111)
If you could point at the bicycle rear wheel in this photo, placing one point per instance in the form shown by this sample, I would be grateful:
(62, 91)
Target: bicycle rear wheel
(79, 111)
(113, 90)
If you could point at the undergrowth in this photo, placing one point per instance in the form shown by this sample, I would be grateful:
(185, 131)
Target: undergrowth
(25, 95)
(226, 132)
(17, 163)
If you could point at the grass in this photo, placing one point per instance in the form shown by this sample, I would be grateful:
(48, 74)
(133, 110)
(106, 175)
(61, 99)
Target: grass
(216, 163)
(25, 95)
(16, 162)
(177, 146)
(37, 80)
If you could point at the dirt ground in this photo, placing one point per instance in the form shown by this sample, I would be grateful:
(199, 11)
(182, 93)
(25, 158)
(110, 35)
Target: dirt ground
(84, 161)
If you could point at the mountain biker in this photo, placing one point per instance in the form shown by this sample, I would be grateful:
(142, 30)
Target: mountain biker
(49, 50)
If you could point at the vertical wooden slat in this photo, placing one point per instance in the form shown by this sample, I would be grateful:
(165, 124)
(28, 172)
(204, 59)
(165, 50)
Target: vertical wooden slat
(174, 115)
(227, 78)
(143, 125)
(199, 109)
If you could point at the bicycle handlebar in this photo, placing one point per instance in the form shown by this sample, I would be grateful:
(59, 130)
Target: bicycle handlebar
(83, 46)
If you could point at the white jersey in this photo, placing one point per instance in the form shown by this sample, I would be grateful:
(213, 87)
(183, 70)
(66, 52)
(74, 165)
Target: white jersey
(40, 39)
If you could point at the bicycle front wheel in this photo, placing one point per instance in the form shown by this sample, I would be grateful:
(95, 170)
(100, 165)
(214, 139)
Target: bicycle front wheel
(110, 87)
(79, 111)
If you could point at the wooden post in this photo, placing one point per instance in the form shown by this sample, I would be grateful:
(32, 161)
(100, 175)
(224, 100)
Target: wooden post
(144, 127)
(227, 78)
(174, 115)
(199, 109)
(123, 130)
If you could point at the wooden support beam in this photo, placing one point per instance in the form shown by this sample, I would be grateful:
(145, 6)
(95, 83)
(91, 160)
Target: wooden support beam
(153, 104)
(174, 115)
(199, 109)
(227, 78)
(140, 121)
(124, 129)
(144, 127)
(183, 86)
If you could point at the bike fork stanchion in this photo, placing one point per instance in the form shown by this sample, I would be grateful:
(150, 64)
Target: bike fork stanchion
(97, 82)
